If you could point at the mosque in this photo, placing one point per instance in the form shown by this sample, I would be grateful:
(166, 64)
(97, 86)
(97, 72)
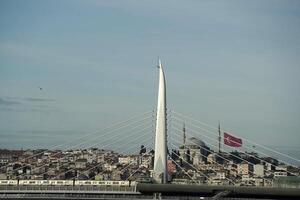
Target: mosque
(193, 150)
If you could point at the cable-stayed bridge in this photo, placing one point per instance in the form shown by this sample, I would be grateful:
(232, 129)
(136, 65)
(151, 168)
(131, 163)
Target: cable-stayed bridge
(164, 146)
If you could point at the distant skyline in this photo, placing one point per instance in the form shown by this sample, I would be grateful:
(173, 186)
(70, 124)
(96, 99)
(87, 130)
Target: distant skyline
(70, 67)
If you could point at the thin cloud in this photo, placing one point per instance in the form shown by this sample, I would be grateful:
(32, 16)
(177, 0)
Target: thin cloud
(18, 104)
(38, 99)
(25, 110)
(8, 102)
(31, 99)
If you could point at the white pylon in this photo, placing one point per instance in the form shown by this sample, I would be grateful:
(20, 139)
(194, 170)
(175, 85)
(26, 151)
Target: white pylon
(160, 157)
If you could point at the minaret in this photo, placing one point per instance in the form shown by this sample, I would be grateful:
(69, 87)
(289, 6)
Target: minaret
(184, 135)
(219, 138)
(160, 156)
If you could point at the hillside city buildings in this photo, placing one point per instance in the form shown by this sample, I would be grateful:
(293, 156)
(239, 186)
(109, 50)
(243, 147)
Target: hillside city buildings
(192, 163)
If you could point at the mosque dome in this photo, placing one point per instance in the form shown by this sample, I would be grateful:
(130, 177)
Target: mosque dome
(194, 143)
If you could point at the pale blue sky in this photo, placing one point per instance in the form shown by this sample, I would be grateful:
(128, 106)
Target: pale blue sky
(234, 62)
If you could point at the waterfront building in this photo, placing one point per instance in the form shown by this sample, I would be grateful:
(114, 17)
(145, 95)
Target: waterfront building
(259, 170)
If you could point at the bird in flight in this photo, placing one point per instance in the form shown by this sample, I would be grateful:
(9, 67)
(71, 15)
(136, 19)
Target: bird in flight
(40, 88)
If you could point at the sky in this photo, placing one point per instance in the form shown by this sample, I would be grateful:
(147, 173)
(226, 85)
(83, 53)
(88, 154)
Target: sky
(231, 62)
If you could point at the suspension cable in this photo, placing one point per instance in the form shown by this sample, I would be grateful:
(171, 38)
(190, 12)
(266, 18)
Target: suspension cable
(83, 142)
(245, 146)
(183, 170)
(230, 180)
(108, 160)
(215, 128)
(115, 136)
(235, 157)
(126, 144)
(88, 134)
(234, 148)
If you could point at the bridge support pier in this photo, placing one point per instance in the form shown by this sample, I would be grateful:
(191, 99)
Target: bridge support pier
(160, 156)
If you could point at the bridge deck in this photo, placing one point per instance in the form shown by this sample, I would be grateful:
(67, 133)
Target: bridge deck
(68, 189)
(70, 192)
(145, 191)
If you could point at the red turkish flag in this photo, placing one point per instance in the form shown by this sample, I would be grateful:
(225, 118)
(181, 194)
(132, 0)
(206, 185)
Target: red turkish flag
(232, 141)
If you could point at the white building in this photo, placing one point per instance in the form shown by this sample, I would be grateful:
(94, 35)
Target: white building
(81, 163)
(221, 175)
(124, 160)
(280, 174)
(269, 166)
(281, 168)
(109, 167)
(212, 158)
(259, 170)
(243, 169)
